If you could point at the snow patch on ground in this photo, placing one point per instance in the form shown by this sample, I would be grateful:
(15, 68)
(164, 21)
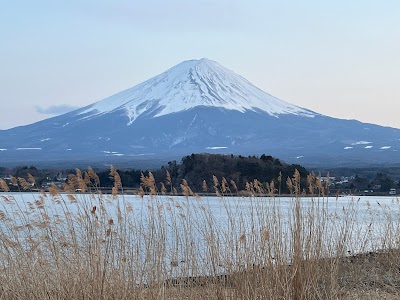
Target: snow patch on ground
(361, 143)
(113, 153)
(216, 148)
(29, 149)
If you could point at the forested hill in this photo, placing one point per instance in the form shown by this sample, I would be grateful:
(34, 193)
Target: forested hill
(199, 167)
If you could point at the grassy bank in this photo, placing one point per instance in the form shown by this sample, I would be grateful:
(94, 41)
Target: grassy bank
(92, 246)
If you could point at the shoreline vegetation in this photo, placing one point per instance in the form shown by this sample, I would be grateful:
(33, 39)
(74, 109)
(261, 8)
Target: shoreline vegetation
(59, 244)
(196, 168)
(243, 193)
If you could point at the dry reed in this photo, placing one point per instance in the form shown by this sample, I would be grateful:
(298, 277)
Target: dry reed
(92, 246)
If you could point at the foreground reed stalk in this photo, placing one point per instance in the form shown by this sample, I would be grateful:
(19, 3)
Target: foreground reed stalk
(157, 245)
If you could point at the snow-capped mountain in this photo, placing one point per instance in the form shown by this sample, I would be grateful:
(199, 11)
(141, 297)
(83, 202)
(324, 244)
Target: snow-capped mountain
(191, 84)
(196, 106)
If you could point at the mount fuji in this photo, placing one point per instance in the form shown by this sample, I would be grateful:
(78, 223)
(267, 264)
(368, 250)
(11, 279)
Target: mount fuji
(197, 106)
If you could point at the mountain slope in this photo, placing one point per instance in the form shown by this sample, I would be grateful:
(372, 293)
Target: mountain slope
(197, 106)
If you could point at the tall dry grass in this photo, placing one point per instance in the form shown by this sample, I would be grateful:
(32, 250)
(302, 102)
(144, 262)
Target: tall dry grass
(67, 245)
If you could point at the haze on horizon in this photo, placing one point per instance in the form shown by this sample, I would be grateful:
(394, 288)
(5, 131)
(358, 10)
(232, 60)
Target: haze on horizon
(339, 59)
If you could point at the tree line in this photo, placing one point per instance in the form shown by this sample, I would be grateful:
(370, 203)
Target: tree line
(198, 170)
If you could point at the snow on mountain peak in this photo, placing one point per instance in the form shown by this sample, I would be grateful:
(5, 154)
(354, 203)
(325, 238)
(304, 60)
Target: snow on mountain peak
(189, 84)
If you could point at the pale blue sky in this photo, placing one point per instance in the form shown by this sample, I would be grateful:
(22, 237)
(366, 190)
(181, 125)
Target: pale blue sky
(339, 58)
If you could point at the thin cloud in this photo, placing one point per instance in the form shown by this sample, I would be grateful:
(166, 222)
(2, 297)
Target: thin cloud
(55, 109)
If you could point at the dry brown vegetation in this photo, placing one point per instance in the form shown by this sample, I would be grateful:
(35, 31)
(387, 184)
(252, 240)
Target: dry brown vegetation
(63, 245)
